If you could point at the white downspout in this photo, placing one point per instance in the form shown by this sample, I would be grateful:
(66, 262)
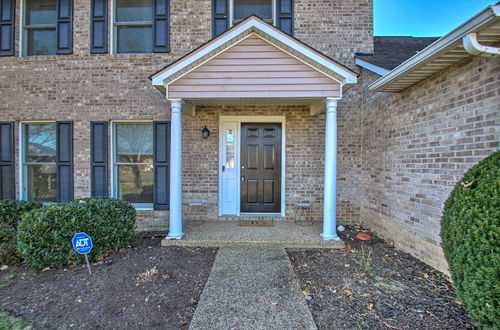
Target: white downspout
(472, 46)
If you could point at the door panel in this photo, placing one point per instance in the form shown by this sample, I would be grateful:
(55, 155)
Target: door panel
(260, 168)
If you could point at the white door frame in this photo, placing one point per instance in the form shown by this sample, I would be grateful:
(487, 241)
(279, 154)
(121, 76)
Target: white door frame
(251, 119)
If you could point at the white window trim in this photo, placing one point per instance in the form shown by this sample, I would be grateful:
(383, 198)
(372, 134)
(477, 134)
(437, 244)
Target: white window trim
(252, 119)
(114, 174)
(22, 179)
(231, 12)
(113, 40)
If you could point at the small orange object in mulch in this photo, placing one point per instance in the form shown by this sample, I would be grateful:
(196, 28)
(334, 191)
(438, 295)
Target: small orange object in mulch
(363, 237)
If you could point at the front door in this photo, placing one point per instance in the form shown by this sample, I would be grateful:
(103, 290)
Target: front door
(260, 168)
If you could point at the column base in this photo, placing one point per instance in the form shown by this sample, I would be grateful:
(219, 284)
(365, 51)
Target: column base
(175, 236)
(329, 237)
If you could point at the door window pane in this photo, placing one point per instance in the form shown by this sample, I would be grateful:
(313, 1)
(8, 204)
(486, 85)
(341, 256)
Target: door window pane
(40, 140)
(41, 42)
(41, 12)
(245, 8)
(41, 182)
(135, 39)
(134, 143)
(134, 10)
(229, 148)
(135, 183)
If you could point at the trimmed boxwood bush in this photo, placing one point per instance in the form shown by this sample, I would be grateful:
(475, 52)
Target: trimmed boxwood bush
(470, 231)
(44, 235)
(10, 214)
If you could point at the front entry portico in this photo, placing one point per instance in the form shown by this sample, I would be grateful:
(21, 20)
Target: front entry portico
(253, 63)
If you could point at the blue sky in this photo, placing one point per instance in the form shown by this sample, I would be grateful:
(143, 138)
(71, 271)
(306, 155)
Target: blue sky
(423, 18)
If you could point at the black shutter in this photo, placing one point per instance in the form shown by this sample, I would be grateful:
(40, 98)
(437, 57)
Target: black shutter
(284, 16)
(64, 159)
(7, 190)
(64, 28)
(7, 11)
(161, 146)
(220, 13)
(99, 27)
(161, 26)
(99, 158)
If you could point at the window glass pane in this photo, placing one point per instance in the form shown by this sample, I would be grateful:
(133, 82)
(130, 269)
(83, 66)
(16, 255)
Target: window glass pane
(135, 39)
(41, 42)
(134, 143)
(134, 10)
(245, 8)
(41, 183)
(41, 12)
(40, 142)
(229, 148)
(135, 183)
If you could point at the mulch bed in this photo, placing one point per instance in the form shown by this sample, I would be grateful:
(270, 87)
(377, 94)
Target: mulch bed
(146, 286)
(371, 285)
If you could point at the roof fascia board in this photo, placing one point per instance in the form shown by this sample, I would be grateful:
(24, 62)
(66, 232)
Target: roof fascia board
(350, 77)
(437, 48)
(372, 67)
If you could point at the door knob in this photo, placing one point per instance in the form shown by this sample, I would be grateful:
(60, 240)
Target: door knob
(223, 168)
(242, 178)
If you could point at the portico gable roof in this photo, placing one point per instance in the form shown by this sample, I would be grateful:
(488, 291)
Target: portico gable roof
(254, 31)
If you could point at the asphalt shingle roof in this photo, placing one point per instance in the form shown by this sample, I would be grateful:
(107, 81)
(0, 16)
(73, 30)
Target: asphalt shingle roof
(389, 52)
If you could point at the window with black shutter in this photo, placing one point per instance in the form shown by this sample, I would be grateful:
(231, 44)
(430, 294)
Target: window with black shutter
(227, 13)
(141, 26)
(48, 27)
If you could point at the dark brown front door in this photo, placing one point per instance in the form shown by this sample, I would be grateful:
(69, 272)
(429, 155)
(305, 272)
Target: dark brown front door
(261, 168)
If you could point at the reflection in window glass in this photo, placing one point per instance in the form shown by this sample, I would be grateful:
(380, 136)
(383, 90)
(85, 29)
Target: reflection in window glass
(134, 26)
(135, 39)
(229, 148)
(134, 10)
(40, 27)
(245, 8)
(41, 42)
(39, 162)
(134, 162)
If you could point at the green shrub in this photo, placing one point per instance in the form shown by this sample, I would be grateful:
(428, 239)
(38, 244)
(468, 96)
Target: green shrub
(10, 214)
(45, 235)
(470, 231)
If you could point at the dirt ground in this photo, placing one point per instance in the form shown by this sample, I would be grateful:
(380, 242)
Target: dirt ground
(371, 285)
(143, 287)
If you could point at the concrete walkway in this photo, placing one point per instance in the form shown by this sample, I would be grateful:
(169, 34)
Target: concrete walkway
(252, 288)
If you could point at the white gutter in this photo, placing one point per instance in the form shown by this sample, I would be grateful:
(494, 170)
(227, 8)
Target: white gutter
(372, 67)
(439, 47)
(472, 46)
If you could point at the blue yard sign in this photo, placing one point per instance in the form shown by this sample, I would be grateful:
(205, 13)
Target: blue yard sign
(82, 243)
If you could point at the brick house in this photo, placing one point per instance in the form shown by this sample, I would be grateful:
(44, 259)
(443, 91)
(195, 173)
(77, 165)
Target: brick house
(246, 107)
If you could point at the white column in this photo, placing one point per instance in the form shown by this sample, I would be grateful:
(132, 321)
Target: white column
(175, 229)
(330, 184)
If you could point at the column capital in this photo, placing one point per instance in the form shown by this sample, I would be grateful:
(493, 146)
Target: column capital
(331, 104)
(176, 105)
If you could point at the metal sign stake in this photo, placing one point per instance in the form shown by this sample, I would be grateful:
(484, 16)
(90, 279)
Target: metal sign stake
(88, 264)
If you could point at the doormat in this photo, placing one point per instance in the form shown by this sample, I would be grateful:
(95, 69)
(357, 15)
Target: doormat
(255, 223)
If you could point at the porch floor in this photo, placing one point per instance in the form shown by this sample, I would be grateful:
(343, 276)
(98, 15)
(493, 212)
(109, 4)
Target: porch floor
(284, 234)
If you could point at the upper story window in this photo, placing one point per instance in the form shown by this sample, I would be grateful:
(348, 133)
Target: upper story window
(133, 26)
(39, 29)
(244, 8)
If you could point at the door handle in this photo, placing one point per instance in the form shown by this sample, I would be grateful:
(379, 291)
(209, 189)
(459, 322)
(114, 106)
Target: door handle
(242, 178)
(223, 168)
